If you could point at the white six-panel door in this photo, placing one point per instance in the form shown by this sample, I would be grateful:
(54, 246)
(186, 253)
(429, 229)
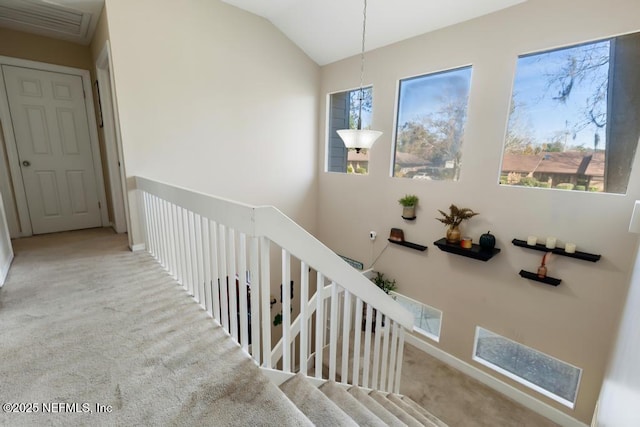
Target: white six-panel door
(51, 130)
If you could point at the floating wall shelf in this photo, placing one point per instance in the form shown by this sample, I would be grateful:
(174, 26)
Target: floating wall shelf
(409, 218)
(475, 252)
(533, 276)
(409, 245)
(558, 251)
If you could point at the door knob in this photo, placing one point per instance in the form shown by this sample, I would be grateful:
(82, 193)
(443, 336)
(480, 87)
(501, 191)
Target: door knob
(26, 163)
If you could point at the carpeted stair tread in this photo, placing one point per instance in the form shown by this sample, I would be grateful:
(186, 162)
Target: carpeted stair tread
(350, 405)
(314, 404)
(410, 410)
(105, 325)
(437, 421)
(394, 409)
(380, 411)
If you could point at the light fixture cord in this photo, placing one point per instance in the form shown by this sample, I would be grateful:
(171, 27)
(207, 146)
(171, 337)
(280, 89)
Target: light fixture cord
(361, 96)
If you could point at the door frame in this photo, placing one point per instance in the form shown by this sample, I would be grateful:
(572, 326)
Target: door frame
(19, 192)
(112, 139)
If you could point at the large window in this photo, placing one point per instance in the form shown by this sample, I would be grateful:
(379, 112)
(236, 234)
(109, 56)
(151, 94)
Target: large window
(573, 123)
(343, 114)
(541, 372)
(432, 111)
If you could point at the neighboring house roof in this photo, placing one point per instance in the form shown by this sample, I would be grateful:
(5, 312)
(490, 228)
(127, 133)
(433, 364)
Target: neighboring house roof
(520, 162)
(569, 162)
(596, 165)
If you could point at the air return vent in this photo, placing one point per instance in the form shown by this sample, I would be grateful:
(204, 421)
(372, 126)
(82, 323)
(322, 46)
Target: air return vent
(44, 17)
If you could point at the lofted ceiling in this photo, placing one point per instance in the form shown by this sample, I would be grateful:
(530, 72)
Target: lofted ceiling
(330, 30)
(71, 20)
(327, 30)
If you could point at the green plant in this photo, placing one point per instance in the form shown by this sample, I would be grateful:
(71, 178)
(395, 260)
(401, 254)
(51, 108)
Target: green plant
(456, 215)
(349, 169)
(579, 188)
(544, 185)
(565, 186)
(528, 181)
(361, 170)
(385, 284)
(593, 189)
(409, 200)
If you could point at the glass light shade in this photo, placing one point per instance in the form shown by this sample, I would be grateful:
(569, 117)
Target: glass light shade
(359, 138)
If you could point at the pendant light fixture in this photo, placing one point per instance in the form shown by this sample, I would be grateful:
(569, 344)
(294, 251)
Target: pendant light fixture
(360, 138)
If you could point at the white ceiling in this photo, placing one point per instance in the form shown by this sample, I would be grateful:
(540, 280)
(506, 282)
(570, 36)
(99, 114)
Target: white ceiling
(327, 30)
(71, 20)
(330, 30)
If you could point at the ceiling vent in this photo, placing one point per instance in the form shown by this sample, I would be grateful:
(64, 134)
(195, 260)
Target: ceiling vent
(47, 18)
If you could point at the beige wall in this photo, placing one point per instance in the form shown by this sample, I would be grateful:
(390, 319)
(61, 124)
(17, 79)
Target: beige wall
(215, 99)
(100, 37)
(574, 322)
(621, 389)
(43, 49)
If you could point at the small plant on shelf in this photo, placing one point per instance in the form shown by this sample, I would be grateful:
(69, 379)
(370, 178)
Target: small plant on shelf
(409, 202)
(453, 220)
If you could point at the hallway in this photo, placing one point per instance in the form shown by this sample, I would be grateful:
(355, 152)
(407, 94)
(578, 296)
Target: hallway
(87, 322)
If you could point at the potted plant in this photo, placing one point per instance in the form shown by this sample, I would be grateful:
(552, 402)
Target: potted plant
(409, 202)
(453, 220)
(387, 286)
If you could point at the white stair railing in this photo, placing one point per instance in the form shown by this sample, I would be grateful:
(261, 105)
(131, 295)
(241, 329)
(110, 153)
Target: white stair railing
(225, 254)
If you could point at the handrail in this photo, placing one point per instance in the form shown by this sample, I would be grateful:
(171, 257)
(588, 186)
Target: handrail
(221, 251)
(267, 221)
(286, 233)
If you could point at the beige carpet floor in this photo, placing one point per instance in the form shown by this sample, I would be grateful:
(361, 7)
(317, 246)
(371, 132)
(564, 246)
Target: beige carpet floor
(85, 322)
(458, 399)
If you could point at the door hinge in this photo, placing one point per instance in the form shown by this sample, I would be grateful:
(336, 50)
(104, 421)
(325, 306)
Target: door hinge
(99, 205)
(84, 94)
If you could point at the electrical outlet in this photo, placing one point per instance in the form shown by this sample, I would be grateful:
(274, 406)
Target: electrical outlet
(372, 235)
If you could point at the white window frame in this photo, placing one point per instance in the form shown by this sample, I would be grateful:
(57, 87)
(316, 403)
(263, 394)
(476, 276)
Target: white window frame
(521, 380)
(416, 329)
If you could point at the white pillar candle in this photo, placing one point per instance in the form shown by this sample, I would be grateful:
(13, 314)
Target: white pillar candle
(532, 240)
(551, 242)
(570, 248)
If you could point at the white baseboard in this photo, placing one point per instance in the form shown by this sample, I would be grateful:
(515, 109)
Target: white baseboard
(513, 393)
(4, 270)
(138, 247)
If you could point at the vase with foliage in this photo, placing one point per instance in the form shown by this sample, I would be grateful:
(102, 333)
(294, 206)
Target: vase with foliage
(453, 220)
(409, 202)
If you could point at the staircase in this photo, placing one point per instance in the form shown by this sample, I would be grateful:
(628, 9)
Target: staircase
(234, 259)
(332, 405)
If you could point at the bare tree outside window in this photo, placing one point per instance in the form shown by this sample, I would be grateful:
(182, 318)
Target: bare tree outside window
(562, 131)
(432, 111)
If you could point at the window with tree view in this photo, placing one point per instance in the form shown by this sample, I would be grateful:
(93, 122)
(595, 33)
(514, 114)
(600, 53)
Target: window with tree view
(432, 111)
(574, 117)
(343, 114)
